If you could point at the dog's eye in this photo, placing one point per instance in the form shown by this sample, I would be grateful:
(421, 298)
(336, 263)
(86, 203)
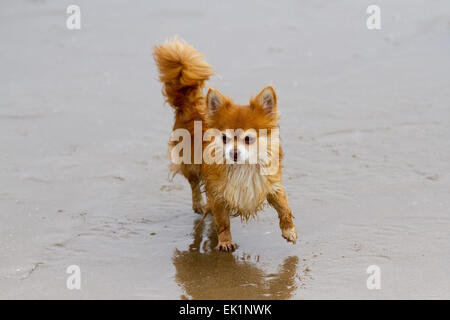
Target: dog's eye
(249, 140)
(225, 139)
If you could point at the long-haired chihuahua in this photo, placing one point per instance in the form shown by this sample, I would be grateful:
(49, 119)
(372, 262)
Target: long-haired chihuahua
(240, 165)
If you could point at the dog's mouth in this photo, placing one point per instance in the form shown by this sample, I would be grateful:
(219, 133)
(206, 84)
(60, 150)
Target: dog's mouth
(234, 155)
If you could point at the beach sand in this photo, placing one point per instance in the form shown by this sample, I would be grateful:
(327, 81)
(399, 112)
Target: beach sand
(365, 125)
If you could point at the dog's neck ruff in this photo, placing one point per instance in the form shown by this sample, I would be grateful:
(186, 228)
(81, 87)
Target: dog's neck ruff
(245, 190)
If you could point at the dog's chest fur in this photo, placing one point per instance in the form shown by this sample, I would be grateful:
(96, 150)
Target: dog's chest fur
(245, 189)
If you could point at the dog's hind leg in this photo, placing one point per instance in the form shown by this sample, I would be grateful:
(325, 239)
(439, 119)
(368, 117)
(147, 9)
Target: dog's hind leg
(192, 174)
(197, 200)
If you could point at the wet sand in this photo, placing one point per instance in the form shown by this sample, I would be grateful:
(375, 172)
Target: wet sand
(365, 123)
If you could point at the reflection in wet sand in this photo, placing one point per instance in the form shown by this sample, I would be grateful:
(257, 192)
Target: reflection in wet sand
(204, 273)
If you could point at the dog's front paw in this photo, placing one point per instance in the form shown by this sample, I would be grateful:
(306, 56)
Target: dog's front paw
(290, 234)
(226, 246)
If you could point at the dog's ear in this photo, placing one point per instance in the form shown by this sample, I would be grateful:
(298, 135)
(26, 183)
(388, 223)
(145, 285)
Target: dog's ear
(214, 100)
(267, 99)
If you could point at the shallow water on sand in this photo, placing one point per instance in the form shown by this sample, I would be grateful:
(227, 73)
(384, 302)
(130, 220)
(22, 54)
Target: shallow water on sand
(365, 126)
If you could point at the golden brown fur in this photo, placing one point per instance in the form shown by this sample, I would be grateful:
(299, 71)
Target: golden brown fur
(238, 189)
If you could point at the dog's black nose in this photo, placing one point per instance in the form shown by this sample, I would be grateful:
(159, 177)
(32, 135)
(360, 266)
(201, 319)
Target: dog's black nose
(235, 154)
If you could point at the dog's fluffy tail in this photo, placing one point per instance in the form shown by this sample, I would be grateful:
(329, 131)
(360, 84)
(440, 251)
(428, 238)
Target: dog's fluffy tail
(182, 71)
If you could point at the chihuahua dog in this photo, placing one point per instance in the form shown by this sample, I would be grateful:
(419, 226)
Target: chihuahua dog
(233, 183)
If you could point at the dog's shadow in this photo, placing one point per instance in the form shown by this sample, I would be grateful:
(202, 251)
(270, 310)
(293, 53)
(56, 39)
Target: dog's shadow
(204, 273)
